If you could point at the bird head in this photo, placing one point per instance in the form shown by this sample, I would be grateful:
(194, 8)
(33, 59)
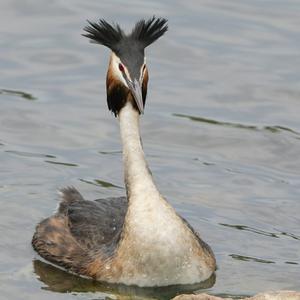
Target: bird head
(127, 75)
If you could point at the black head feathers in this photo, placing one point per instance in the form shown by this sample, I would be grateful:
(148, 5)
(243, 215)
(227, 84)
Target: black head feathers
(143, 34)
(147, 32)
(103, 33)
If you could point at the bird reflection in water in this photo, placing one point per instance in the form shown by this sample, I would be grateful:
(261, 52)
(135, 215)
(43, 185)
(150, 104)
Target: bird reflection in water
(60, 281)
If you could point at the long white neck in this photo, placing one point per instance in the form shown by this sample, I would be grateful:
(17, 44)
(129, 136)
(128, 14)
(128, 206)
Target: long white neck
(157, 247)
(138, 179)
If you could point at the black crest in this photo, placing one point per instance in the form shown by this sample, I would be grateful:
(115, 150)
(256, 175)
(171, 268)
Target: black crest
(147, 32)
(144, 33)
(103, 33)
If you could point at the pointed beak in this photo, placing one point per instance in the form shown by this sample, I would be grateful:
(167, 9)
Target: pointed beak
(136, 90)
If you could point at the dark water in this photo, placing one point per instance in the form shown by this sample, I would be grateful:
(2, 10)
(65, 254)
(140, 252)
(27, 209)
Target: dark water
(221, 132)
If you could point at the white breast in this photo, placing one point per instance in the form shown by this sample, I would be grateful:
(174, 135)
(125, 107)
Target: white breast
(161, 250)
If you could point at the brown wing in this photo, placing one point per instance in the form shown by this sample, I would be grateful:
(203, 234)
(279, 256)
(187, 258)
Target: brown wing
(80, 231)
(97, 225)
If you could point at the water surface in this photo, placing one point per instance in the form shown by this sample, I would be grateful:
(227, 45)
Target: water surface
(221, 132)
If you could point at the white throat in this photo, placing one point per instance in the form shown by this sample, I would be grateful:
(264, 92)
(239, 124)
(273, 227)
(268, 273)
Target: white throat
(138, 179)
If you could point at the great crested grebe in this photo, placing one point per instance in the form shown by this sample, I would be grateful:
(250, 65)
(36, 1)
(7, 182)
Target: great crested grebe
(138, 239)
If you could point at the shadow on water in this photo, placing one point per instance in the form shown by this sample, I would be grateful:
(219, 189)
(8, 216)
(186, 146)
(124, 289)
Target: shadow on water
(21, 94)
(273, 129)
(60, 281)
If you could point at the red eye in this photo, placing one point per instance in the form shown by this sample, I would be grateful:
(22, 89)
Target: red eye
(121, 67)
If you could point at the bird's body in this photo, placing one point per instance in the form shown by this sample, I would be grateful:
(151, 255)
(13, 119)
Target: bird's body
(134, 240)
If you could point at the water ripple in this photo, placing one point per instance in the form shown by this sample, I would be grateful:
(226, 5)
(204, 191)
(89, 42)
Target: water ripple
(249, 258)
(262, 232)
(291, 263)
(101, 183)
(251, 229)
(110, 152)
(17, 93)
(61, 163)
(291, 235)
(273, 129)
(29, 154)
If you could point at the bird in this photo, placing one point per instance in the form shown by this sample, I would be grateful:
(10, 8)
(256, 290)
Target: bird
(138, 239)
